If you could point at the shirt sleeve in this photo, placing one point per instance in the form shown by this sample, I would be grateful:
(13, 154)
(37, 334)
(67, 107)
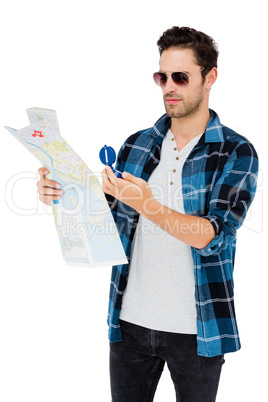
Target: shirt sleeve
(231, 197)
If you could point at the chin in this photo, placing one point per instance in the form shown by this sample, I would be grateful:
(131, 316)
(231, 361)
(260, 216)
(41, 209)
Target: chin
(174, 114)
(172, 111)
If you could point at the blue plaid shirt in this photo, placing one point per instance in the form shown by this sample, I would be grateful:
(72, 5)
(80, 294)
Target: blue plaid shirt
(219, 180)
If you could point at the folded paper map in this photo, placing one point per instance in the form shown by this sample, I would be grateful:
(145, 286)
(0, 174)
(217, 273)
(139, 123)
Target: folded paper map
(85, 226)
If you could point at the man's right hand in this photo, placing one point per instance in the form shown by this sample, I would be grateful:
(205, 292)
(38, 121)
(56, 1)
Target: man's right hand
(48, 190)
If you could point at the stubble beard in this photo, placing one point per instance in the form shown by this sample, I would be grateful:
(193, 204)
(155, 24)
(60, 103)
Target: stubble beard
(184, 108)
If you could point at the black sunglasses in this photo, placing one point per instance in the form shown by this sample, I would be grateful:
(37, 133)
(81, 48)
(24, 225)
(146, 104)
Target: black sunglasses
(180, 78)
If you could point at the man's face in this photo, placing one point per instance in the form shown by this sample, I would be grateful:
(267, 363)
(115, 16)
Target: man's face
(181, 101)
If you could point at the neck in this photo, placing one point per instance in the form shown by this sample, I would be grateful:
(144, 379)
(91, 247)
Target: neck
(186, 128)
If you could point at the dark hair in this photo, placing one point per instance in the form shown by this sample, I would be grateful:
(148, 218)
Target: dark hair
(204, 47)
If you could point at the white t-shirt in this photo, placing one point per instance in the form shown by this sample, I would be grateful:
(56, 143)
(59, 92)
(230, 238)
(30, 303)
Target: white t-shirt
(161, 286)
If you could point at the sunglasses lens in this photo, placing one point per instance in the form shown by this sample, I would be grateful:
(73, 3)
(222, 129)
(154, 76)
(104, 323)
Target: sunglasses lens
(180, 78)
(160, 79)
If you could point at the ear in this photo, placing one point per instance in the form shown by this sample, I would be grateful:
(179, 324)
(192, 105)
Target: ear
(211, 78)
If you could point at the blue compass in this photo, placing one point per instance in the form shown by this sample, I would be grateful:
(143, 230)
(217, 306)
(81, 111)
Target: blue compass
(108, 156)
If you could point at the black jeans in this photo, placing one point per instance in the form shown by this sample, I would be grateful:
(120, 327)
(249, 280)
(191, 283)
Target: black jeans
(137, 363)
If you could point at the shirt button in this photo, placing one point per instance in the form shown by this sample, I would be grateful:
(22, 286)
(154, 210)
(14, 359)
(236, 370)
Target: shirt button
(172, 139)
(174, 170)
(175, 149)
(171, 183)
(177, 158)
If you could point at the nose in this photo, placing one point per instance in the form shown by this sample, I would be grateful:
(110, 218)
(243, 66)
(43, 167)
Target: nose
(170, 85)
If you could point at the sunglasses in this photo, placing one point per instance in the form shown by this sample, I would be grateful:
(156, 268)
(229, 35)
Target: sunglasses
(180, 78)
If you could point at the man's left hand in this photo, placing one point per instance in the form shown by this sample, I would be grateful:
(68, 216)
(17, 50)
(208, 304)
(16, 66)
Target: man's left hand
(131, 190)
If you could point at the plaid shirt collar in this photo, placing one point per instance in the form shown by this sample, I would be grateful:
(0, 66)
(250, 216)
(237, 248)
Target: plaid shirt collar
(213, 131)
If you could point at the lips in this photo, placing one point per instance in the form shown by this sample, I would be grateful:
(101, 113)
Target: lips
(172, 101)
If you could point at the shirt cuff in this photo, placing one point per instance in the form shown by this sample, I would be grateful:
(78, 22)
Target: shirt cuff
(215, 245)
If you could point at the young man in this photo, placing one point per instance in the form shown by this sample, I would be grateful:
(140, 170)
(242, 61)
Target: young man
(187, 185)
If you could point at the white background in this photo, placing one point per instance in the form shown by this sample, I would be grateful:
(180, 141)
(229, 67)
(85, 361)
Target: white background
(93, 64)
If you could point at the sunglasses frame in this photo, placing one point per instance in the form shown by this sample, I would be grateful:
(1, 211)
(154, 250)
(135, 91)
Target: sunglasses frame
(171, 75)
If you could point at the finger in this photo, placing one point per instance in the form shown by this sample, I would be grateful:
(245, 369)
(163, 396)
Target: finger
(133, 179)
(106, 176)
(112, 177)
(49, 191)
(107, 186)
(48, 183)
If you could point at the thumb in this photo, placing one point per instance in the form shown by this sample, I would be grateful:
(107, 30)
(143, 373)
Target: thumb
(43, 171)
(129, 177)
